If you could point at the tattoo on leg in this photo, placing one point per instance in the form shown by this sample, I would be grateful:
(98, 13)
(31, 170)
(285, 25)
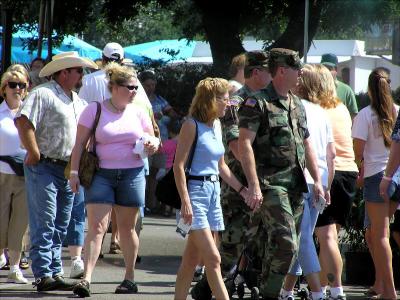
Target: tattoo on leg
(331, 277)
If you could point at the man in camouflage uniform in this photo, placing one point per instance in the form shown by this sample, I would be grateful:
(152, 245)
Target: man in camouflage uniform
(236, 212)
(274, 149)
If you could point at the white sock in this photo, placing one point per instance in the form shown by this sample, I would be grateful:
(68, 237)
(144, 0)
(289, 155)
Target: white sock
(317, 295)
(2, 256)
(76, 258)
(284, 293)
(336, 291)
(14, 268)
(323, 289)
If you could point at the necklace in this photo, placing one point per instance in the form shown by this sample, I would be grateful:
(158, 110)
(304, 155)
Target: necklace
(117, 109)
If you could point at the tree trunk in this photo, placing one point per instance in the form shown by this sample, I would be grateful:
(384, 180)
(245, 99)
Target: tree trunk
(222, 31)
(293, 36)
(7, 22)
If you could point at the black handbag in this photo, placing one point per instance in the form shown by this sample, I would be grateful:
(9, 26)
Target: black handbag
(89, 162)
(166, 190)
(16, 163)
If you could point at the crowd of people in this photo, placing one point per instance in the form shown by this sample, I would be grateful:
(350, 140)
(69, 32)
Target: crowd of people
(277, 154)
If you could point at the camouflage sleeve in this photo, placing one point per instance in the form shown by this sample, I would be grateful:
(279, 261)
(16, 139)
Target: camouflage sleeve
(303, 121)
(230, 121)
(396, 130)
(250, 114)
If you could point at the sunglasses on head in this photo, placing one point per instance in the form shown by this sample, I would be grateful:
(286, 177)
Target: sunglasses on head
(13, 85)
(131, 87)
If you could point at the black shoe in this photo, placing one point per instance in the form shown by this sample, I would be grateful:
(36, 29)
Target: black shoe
(45, 284)
(138, 259)
(201, 290)
(64, 285)
(82, 289)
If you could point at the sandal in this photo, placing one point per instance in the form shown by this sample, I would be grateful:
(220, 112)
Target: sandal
(371, 292)
(115, 248)
(82, 289)
(127, 287)
(23, 263)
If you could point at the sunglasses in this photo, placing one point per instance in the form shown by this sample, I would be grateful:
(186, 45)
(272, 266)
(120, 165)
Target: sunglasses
(13, 85)
(78, 70)
(130, 87)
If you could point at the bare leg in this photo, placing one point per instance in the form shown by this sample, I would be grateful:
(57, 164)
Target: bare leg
(126, 219)
(200, 244)
(379, 214)
(98, 217)
(329, 256)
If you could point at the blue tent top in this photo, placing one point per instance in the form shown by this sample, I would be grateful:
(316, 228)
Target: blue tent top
(159, 50)
(21, 54)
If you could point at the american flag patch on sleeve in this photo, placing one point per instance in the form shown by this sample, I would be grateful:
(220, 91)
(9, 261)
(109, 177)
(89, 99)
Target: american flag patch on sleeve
(250, 102)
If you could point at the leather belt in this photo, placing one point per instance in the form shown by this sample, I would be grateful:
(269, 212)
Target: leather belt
(53, 160)
(212, 178)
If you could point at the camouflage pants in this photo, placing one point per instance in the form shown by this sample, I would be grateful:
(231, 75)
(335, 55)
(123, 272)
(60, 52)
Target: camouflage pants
(237, 219)
(280, 215)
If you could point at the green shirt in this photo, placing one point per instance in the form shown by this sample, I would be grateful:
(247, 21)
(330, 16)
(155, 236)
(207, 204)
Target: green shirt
(346, 95)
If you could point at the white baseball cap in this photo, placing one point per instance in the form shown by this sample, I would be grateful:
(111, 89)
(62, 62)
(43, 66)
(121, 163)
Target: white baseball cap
(113, 51)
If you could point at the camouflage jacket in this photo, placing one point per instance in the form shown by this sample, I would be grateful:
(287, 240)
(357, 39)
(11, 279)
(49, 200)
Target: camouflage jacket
(230, 122)
(280, 125)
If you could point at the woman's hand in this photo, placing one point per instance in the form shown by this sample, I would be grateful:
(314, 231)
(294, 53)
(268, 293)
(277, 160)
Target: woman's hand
(150, 148)
(74, 183)
(186, 212)
(383, 188)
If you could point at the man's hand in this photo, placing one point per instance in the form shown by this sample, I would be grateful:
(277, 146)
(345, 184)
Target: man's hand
(32, 158)
(254, 197)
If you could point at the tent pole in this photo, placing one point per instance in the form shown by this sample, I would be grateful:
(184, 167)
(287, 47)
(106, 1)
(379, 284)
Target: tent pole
(40, 29)
(49, 28)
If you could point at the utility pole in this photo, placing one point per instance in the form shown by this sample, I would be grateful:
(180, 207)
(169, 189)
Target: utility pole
(306, 18)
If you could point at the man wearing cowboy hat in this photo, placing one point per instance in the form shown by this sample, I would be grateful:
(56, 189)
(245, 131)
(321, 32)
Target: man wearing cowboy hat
(46, 123)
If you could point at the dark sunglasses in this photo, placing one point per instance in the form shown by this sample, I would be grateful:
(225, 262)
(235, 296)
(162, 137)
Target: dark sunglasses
(78, 70)
(13, 85)
(131, 87)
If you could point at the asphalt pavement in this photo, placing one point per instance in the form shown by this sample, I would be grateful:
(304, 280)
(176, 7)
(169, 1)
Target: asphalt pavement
(160, 249)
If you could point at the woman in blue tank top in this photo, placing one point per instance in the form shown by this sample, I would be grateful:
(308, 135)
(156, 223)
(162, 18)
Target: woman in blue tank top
(200, 190)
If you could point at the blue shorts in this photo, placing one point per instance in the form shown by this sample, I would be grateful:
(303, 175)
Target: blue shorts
(124, 187)
(371, 188)
(206, 205)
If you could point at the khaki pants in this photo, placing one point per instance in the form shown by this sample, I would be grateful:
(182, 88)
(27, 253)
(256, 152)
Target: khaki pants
(13, 212)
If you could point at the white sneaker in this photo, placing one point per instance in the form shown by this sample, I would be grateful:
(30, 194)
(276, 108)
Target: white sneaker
(17, 277)
(3, 260)
(77, 269)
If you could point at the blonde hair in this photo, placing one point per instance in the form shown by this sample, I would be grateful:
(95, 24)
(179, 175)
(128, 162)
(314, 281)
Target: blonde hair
(13, 75)
(21, 69)
(238, 62)
(119, 75)
(309, 84)
(382, 102)
(204, 104)
(327, 92)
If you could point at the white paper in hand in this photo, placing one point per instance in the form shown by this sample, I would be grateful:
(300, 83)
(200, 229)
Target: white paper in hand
(182, 229)
(139, 146)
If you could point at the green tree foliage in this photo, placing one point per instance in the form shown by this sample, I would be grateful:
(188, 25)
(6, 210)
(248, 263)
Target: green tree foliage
(152, 22)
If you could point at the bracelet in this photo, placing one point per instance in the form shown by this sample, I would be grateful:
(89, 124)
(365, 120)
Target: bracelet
(73, 172)
(241, 189)
(387, 178)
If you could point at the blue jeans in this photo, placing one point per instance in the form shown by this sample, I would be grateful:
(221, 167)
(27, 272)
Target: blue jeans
(50, 202)
(307, 259)
(76, 228)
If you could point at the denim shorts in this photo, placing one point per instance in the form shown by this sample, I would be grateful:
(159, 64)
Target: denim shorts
(371, 193)
(206, 205)
(124, 187)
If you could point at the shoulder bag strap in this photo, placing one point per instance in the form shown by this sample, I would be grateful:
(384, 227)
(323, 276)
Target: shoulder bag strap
(96, 122)
(192, 149)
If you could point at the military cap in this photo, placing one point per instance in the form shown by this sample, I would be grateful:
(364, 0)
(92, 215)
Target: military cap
(256, 59)
(329, 59)
(285, 57)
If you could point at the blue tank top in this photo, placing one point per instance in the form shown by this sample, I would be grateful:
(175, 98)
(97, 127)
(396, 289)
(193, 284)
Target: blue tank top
(209, 149)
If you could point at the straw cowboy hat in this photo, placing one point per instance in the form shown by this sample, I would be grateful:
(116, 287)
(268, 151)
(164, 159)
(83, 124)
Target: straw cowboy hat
(66, 60)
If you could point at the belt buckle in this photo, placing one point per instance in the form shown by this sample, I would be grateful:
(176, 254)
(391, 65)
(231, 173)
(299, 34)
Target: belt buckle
(213, 178)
